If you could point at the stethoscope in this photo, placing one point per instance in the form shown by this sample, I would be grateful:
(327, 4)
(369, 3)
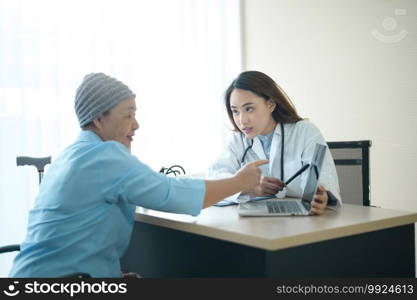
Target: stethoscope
(282, 151)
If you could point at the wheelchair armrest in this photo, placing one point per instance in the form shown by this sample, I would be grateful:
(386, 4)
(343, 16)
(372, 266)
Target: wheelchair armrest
(16, 247)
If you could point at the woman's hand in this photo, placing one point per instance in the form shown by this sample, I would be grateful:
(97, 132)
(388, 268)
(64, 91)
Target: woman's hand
(268, 186)
(318, 205)
(250, 174)
(247, 177)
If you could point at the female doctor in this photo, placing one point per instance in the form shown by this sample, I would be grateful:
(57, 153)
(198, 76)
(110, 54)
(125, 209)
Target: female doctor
(267, 126)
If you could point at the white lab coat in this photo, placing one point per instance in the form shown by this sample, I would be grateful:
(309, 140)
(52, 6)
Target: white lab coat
(299, 144)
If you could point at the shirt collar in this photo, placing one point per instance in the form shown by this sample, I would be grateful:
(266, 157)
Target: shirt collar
(266, 138)
(277, 130)
(88, 136)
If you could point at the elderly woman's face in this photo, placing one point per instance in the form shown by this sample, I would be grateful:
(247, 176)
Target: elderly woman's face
(120, 124)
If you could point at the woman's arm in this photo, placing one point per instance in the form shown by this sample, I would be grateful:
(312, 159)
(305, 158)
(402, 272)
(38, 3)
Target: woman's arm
(246, 178)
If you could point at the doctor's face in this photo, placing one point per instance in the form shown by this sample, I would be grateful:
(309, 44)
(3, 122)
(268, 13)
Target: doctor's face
(119, 124)
(252, 113)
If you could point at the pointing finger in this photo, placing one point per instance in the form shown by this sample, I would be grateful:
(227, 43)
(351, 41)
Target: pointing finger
(260, 162)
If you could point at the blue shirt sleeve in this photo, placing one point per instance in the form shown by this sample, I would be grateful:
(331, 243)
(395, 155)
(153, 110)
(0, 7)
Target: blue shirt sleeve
(140, 185)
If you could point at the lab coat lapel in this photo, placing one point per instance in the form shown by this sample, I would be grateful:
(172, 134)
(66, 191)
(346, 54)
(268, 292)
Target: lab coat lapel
(257, 148)
(259, 151)
(275, 154)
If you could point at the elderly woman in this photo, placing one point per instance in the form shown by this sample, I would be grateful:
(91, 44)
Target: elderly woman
(84, 214)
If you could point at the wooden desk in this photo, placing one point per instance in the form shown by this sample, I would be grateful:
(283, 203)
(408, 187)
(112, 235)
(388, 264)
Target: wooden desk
(354, 241)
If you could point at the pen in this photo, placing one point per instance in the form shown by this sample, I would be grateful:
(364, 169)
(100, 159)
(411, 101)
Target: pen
(305, 167)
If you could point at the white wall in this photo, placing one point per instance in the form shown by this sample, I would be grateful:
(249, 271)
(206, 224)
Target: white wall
(351, 84)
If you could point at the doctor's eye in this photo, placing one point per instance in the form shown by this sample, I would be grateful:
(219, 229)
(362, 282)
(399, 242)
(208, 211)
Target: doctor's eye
(249, 109)
(235, 112)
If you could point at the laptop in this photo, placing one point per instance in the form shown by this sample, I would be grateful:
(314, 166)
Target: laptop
(290, 206)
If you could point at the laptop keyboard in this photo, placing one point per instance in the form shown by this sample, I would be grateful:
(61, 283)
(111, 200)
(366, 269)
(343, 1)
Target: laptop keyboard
(283, 207)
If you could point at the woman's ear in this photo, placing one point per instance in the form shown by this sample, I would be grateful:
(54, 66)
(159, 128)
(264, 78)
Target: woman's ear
(271, 105)
(97, 123)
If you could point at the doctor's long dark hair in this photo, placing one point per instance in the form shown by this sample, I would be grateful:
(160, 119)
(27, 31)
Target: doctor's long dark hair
(265, 87)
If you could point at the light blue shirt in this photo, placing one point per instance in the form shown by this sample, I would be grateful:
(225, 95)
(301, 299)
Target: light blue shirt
(266, 141)
(84, 213)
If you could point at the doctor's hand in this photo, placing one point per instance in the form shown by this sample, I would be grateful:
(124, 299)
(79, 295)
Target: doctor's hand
(318, 205)
(268, 186)
(250, 174)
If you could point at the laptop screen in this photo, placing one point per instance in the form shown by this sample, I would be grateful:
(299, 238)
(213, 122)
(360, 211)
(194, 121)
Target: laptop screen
(313, 175)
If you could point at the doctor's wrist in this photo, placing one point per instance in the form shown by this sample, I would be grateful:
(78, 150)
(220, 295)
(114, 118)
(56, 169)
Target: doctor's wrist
(247, 192)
